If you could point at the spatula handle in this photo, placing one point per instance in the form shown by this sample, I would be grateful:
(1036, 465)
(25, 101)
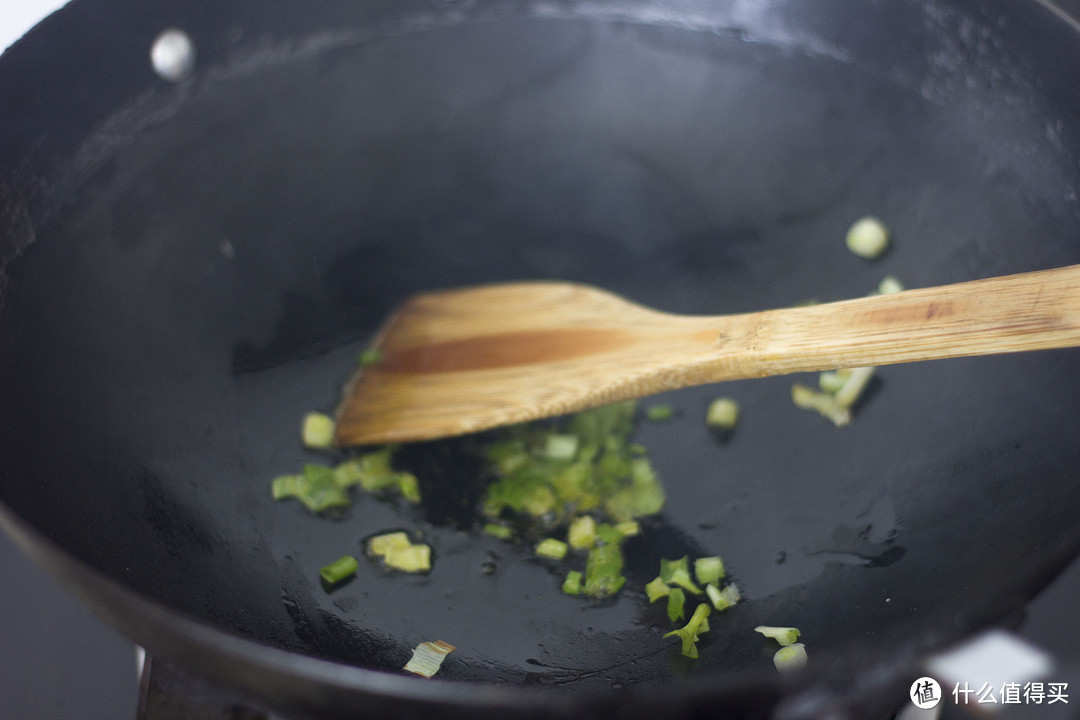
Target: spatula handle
(1030, 311)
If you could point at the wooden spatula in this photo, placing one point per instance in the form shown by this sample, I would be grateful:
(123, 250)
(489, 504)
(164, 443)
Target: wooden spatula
(459, 361)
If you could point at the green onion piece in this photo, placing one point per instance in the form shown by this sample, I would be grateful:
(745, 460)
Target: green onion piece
(388, 542)
(723, 414)
(677, 572)
(637, 449)
(603, 571)
(609, 534)
(628, 528)
(571, 482)
(783, 635)
(831, 381)
(286, 486)
(596, 425)
(428, 657)
(342, 568)
(709, 570)
(659, 413)
(656, 589)
(723, 599)
(889, 285)
(507, 456)
(316, 488)
(822, 403)
(669, 567)
(868, 238)
(561, 447)
(572, 584)
(539, 502)
(369, 357)
(790, 658)
(689, 633)
(409, 487)
(374, 473)
(644, 495)
(582, 532)
(415, 558)
(318, 431)
(551, 548)
(502, 532)
(853, 387)
(681, 577)
(676, 603)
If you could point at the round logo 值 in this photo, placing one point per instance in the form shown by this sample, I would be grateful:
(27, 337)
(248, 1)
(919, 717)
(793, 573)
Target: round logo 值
(925, 693)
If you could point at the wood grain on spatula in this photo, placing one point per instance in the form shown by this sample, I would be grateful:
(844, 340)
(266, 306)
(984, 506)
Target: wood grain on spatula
(459, 361)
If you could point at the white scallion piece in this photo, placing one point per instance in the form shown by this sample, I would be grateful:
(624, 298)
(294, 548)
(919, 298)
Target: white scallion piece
(790, 658)
(889, 285)
(428, 657)
(723, 413)
(868, 238)
(823, 403)
(853, 387)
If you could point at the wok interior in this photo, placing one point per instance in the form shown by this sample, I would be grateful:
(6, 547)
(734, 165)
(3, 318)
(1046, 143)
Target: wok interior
(221, 260)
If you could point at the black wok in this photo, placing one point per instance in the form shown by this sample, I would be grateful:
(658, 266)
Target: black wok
(189, 267)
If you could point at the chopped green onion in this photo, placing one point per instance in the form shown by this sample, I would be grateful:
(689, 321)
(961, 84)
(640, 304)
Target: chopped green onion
(552, 549)
(677, 572)
(889, 285)
(868, 238)
(369, 357)
(831, 381)
(824, 404)
(609, 534)
(408, 486)
(643, 496)
(374, 473)
(596, 425)
(603, 571)
(853, 387)
(790, 658)
(428, 657)
(582, 532)
(723, 414)
(316, 488)
(572, 584)
(585, 464)
(676, 602)
(342, 568)
(286, 486)
(709, 570)
(656, 589)
(503, 532)
(507, 455)
(388, 542)
(783, 635)
(689, 633)
(628, 528)
(318, 430)
(659, 413)
(415, 558)
(561, 447)
(723, 599)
